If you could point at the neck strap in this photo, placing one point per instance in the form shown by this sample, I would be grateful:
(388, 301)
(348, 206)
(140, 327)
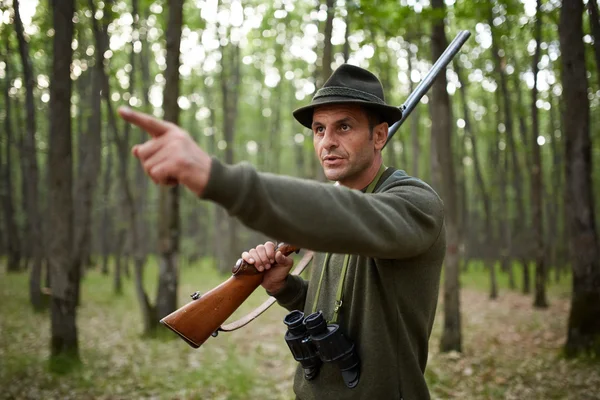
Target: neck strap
(340, 289)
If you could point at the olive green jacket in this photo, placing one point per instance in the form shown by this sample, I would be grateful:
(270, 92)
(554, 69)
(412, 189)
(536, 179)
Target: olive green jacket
(396, 237)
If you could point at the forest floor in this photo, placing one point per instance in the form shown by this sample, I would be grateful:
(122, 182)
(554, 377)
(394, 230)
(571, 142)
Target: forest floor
(510, 349)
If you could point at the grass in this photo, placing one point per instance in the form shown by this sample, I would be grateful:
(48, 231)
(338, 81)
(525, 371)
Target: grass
(116, 361)
(478, 278)
(510, 350)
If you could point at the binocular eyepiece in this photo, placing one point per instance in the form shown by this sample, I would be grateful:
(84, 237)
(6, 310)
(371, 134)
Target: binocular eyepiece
(312, 342)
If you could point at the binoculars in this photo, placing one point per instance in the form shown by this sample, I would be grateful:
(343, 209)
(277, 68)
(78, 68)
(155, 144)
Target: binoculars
(312, 342)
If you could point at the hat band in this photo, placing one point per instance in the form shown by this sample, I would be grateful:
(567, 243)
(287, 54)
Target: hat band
(346, 92)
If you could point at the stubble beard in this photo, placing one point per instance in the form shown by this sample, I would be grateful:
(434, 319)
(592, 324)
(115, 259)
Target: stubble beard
(348, 171)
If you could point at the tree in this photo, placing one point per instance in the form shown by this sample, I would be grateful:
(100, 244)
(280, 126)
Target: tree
(169, 227)
(60, 182)
(327, 45)
(441, 135)
(230, 93)
(481, 186)
(583, 332)
(13, 242)
(89, 160)
(537, 176)
(595, 28)
(507, 120)
(34, 221)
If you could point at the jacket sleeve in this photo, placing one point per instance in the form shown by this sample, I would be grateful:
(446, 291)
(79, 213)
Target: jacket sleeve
(402, 221)
(292, 295)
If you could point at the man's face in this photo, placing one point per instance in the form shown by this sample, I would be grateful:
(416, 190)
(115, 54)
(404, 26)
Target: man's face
(342, 141)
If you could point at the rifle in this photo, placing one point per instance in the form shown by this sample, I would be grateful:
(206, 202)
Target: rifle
(203, 317)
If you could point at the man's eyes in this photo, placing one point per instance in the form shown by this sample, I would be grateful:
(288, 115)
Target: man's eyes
(342, 127)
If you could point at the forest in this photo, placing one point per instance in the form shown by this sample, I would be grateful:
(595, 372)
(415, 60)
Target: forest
(93, 253)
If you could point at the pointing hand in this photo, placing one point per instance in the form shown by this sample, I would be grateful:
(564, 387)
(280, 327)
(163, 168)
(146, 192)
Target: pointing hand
(170, 156)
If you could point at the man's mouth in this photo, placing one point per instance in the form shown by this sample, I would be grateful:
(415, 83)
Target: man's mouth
(332, 160)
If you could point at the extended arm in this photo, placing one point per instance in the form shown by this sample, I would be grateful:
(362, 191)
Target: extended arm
(400, 223)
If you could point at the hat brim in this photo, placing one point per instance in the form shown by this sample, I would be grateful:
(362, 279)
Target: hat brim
(389, 114)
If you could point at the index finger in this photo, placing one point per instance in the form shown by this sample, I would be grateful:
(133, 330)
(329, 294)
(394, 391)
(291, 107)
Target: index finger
(154, 126)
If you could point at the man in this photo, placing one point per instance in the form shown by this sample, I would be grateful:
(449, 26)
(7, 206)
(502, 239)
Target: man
(377, 273)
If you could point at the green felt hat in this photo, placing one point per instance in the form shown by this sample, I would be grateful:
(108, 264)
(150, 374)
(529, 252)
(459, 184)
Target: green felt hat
(354, 85)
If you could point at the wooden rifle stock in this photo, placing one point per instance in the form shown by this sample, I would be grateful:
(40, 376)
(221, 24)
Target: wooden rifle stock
(203, 316)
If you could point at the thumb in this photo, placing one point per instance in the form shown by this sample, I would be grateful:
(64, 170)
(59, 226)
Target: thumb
(282, 260)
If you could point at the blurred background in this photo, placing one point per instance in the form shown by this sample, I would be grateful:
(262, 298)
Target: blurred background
(92, 254)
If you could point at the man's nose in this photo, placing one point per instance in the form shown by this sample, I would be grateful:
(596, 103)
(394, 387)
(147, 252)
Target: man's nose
(329, 140)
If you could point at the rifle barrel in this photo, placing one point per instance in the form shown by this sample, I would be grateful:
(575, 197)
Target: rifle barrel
(439, 66)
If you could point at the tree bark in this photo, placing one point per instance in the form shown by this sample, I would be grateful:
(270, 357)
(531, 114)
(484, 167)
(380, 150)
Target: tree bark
(414, 122)
(583, 335)
(327, 46)
(505, 229)
(90, 147)
(105, 225)
(140, 175)
(595, 28)
(34, 221)
(540, 300)
(346, 48)
(275, 125)
(60, 177)
(217, 213)
(556, 183)
(523, 224)
(169, 226)
(12, 230)
(230, 89)
(148, 311)
(385, 71)
(441, 134)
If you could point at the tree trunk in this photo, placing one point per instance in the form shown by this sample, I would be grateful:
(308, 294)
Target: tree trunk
(30, 159)
(505, 229)
(14, 245)
(105, 225)
(481, 186)
(521, 223)
(140, 175)
(346, 48)
(386, 69)
(60, 178)
(275, 125)
(595, 28)
(217, 213)
(556, 183)
(584, 319)
(169, 227)
(90, 147)
(230, 89)
(441, 134)
(148, 311)
(414, 122)
(327, 46)
(540, 300)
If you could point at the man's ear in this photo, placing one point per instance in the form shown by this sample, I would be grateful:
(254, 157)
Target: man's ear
(380, 133)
